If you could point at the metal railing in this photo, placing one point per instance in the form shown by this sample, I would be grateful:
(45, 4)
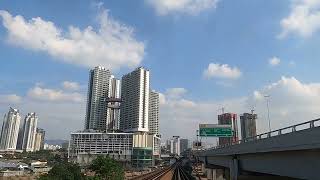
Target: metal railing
(278, 132)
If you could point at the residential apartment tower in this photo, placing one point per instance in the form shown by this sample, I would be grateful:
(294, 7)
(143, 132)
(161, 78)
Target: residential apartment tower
(154, 112)
(135, 106)
(10, 130)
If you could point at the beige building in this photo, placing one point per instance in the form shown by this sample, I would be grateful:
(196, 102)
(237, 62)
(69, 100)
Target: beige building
(39, 140)
(29, 131)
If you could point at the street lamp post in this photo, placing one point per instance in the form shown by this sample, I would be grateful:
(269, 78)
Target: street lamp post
(267, 97)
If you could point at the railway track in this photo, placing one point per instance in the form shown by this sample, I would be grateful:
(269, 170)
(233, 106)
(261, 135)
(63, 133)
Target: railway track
(155, 175)
(180, 173)
(176, 170)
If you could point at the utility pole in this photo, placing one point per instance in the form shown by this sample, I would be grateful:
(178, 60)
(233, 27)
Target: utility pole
(252, 117)
(267, 97)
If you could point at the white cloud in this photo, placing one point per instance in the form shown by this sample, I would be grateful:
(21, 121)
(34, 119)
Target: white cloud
(10, 99)
(162, 99)
(274, 61)
(45, 94)
(192, 7)
(58, 119)
(291, 102)
(69, 85)
(224, 71)
(258, 95)
(175, 93)
(112, 45)
(304, 18)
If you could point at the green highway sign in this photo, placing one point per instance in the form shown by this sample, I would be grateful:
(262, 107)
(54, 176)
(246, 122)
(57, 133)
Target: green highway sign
(213, 130)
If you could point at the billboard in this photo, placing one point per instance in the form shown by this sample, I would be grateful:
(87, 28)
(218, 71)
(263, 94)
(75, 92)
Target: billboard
(215, 130)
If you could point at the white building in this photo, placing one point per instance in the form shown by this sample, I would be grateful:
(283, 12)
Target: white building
(29, 131)
(154, 112)
(138, 149)
(135, 106)
(84, 146)
(96, 115)
(175, 145)
(51, 147)
(10, 130)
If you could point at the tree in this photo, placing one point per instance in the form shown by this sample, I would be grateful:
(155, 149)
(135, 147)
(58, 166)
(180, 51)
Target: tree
(63, 171)
(107, 168)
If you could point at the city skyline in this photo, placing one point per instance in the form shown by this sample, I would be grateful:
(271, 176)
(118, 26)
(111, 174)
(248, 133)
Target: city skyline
(200, 60)
(19, 135)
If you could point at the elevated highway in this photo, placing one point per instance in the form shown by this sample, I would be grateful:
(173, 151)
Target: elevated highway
(288, 152)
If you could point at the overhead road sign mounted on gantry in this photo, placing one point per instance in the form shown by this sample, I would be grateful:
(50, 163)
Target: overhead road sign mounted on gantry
(215, 130)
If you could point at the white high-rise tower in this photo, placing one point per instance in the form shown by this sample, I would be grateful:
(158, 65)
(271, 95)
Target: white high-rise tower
(135, 88)
(154, 112)
(29, 132)
(96, 115)
(10, 130)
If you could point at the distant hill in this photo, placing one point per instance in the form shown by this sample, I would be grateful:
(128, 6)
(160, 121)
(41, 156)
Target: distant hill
(56, 141)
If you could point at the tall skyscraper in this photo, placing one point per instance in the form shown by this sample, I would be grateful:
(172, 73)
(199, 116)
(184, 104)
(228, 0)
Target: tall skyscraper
(248, 125)
(39, 140)
(29, 132)
(134, 114)
(10, 130)
(154, 112)
(184, 143)
(114, 101)
(228, 119)
(96, 115)
(175, 145)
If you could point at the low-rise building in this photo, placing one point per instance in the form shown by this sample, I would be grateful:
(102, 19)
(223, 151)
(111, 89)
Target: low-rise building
(10, 173)
(51, 147)
(12, 168)
(40, 167)
(84, 146)
(137, 150)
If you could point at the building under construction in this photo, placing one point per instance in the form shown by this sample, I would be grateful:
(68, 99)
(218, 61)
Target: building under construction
(229, 119)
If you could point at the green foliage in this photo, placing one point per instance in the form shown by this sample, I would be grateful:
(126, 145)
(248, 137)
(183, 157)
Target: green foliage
(107, 168)
(63, 171)
(92, 178)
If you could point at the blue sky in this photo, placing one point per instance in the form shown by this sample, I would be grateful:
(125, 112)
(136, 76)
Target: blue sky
(176, 41)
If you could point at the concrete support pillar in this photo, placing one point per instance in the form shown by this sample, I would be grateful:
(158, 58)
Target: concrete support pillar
(215, 174)
(227, 174)
(203, 167)
(209, 173)
(220, 174)
(234, 169)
